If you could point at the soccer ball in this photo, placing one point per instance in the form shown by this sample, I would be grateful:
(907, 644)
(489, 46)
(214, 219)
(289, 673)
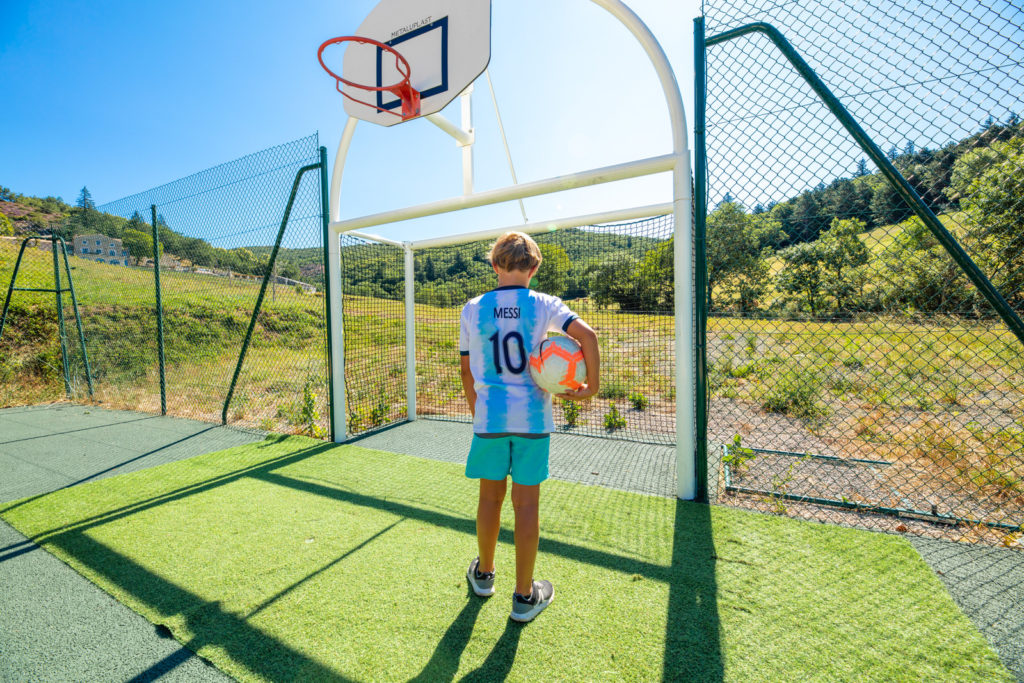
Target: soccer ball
(557, 365)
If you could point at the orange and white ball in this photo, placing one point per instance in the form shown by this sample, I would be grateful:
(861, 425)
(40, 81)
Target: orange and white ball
(557, 365)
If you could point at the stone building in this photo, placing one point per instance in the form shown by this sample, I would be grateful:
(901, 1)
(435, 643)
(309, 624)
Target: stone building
(101, 249)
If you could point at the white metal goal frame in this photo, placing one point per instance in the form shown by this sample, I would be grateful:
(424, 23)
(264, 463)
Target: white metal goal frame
(678, 163)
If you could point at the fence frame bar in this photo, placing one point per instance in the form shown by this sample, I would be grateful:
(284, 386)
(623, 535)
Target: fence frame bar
(159, 312)
(614, 216)
(61, 330)
(328, 303)
(78, 318)
(263, 286)
(700, 250)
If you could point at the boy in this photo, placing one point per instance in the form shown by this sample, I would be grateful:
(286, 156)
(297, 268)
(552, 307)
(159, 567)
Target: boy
(512, 419)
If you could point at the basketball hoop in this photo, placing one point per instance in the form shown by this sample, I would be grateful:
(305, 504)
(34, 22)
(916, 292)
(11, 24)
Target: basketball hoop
(403, 90)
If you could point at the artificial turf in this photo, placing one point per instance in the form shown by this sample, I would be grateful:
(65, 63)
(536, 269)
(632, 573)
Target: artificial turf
(291, 559)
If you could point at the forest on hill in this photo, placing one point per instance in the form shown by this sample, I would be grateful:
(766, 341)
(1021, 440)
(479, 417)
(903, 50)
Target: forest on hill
(817, 253)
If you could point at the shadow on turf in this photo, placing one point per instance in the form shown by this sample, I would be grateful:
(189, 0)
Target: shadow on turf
(444, 663)
(111, 468)
(692, 644)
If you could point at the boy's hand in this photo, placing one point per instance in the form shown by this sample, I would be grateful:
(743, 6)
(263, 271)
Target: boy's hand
(583, 393)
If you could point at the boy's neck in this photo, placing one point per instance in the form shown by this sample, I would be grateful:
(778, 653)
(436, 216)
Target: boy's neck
(513, 278)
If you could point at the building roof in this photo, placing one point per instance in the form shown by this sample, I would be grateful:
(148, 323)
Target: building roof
(97, 236)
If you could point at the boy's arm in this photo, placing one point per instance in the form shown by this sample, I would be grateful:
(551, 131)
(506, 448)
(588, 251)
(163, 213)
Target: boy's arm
(587, 339)
(467, 384)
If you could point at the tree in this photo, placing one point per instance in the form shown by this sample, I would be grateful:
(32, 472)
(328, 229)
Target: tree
(989, 183)
(735, 258)
(553, 275)
(6, 227)
(655, 275)
(85, 214)
(862, 168)
(801, 276)
(7, 195)
(460, 265)
(887, 205)
(614, 281)
(918, 275)
(85, 200)
(136, 223)
(289, 270)
(842, 255)
(138, 244)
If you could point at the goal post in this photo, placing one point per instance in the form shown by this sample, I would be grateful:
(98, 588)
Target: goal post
(681, 207)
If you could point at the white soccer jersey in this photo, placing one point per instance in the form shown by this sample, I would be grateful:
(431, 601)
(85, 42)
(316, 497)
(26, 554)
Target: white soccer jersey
(498, 331)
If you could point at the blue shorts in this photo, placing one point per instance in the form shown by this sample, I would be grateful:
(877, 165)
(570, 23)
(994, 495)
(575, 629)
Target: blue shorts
(524, 458)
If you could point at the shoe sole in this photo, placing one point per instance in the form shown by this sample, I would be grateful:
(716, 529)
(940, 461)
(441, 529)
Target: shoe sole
(532, 614)
(481, 592)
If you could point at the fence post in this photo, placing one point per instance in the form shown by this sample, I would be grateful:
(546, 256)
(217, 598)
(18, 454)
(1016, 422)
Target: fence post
(159, 312)
(78, 318)
(410, 332)
(326, 220)
(60, 316)
(700, 252)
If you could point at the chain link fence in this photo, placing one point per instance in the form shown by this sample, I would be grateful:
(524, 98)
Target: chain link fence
(373, 285)
(853, 367)
(170, 338)
(618, 278)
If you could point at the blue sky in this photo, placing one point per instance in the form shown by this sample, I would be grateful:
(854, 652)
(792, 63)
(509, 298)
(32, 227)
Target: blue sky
(123, 96)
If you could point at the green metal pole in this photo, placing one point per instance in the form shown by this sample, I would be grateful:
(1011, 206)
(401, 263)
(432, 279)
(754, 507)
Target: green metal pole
(159, 312)
(263, 287)
(78, 318)
(10, 285)
(60, 316)
(700, 251)
(326, 220)
(962, 259)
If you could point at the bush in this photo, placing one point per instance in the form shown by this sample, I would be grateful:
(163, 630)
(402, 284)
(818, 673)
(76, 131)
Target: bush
(796, 394)
(613, 389)
(613, 418)
(379, 413)
(638, 401)
(571, 411)
(737, 455)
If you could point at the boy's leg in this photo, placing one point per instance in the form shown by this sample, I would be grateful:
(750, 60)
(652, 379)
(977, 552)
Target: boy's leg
(525, 502)
(488, 520)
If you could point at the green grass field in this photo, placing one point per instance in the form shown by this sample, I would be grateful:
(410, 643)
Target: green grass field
(290, 559)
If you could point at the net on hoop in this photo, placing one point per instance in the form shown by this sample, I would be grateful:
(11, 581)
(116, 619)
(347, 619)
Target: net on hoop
(403, 90)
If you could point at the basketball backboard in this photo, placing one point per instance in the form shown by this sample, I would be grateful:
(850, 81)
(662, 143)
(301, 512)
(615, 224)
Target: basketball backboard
(447, 44)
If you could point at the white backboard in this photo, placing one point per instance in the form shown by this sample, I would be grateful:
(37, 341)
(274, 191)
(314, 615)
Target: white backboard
(446, 42)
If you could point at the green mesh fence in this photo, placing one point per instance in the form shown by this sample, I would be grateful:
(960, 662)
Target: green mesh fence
(618, 278)
(216, 232)
(855, 372)
(373, 285)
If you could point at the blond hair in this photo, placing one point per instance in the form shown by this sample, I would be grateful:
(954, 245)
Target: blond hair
(515, 251)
